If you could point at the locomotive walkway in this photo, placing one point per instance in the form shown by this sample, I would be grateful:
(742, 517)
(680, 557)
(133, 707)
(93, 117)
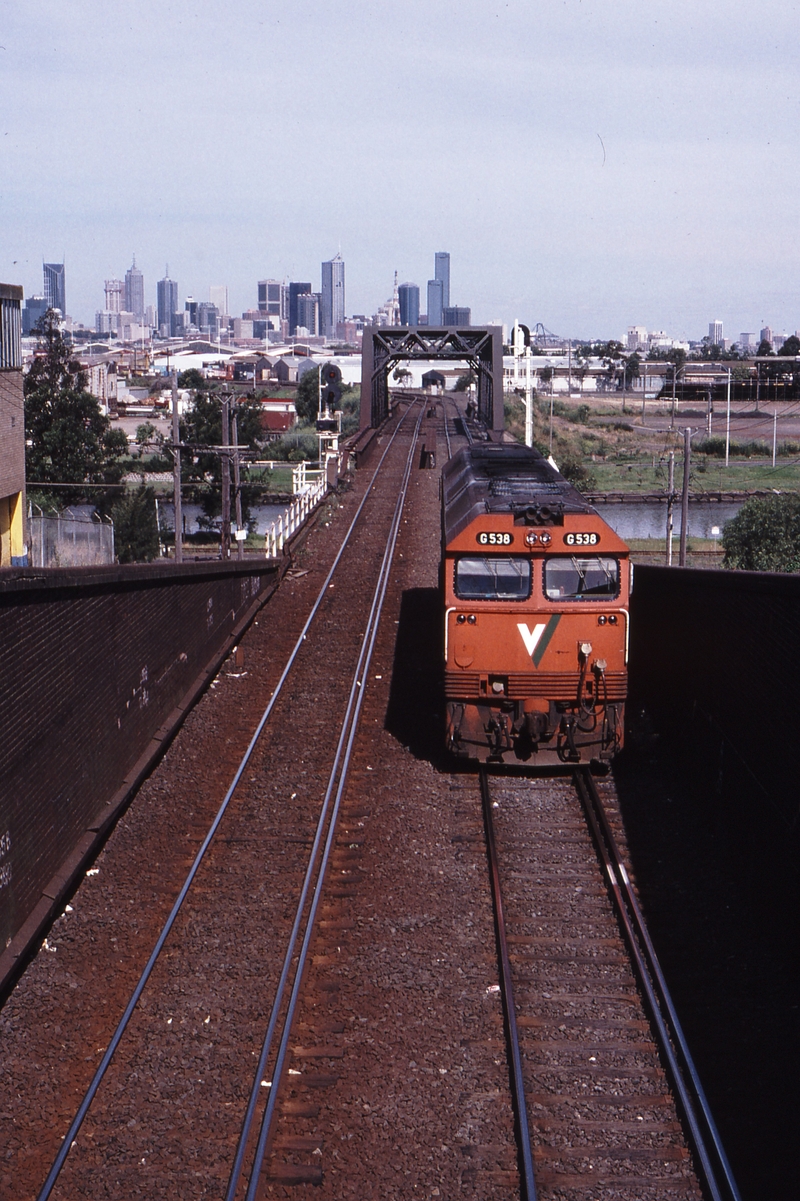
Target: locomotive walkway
(397, 1082)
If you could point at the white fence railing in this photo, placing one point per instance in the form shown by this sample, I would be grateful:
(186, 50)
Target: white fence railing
(290, 521)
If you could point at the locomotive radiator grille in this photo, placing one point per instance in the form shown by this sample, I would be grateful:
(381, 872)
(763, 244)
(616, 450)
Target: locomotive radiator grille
(551, 685)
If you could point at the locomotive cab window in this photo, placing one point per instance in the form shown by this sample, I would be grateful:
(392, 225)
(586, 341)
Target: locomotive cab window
(581, 577)
(492, 577)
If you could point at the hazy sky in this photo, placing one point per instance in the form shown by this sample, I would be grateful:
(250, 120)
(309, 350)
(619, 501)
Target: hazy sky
(587, 164)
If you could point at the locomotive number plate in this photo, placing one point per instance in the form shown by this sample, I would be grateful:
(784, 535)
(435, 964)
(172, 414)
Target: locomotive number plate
(582, 539)
(490, 538)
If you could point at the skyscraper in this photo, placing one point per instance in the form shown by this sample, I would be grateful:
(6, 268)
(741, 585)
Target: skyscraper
(308, 312)
(408, 295)
(435, 303)
(167, 298)
(55, 288)
(273, 298)
(441, 272)
(332, 309)
(134, 291)
(295, 290)
(114, 289)
(715, 333)
(218, 296)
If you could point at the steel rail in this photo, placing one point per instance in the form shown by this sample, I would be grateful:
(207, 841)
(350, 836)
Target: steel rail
(716, 1170)
(509, 1008)
(91, 1091)
(337, 781)
(446, 428)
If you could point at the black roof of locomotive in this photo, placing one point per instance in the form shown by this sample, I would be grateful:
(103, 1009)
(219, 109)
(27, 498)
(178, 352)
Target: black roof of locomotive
(491, 477)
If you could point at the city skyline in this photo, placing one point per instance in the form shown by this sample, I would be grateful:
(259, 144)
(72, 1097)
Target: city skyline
(635, 166)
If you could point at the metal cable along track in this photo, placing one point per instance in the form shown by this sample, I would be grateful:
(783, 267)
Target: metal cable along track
(712, 1162)
(89, 1096)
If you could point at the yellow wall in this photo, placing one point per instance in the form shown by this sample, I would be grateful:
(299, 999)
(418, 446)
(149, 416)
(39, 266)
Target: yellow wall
(12, 530)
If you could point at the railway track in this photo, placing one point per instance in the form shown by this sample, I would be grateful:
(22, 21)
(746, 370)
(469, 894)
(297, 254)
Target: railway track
(591, 1065)
(390, 1077)
(199, 891)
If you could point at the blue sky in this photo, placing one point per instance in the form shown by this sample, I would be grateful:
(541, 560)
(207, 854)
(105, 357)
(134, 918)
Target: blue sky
(587, 165)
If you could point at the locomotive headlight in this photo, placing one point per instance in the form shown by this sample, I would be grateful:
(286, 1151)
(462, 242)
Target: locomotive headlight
(462, 617)
(472, 619)
(601, 621)
(545, 538)
(531, 538)
(613, 619)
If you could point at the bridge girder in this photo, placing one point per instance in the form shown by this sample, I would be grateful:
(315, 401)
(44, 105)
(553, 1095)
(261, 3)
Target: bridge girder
(480, 347)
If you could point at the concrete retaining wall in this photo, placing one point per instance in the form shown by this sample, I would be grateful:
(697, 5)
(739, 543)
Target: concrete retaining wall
(97, 668)
(714, 668)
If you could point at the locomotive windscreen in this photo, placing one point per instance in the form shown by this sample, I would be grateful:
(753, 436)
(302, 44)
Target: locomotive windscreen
(495, 577)
(569, 577)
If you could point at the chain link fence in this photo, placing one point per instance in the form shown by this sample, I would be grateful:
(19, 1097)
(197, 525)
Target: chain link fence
(69, 541)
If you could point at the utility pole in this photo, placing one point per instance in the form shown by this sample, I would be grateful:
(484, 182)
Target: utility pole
(774, 435)
(225, 541)
(687, 461)
(670, 505)
(176, 471)
(728, 423)
(237, 486)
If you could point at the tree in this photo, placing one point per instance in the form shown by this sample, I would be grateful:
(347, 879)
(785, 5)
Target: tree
(135, 527)
(203, 427)
(765, 535)
(764, 348)
(791, 346)
(307, 399)
(464, 382)
(192, 378)
(68, 438)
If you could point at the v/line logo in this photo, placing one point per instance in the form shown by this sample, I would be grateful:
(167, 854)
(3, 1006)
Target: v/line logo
(537, 639)
(531, 637)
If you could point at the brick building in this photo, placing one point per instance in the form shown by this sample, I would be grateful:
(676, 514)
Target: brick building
(13, 550)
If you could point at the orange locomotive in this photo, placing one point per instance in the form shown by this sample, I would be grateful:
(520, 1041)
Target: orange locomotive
(536, 590)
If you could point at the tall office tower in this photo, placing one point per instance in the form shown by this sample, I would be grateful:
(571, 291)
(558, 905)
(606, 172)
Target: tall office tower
(441, 271)
(715, 333)
(134, 292)
(766, 334)
(332, 308)
(308, 312)
(114, 289)
(435, 302)
(408, 296)
(453, 315)
(218, 296)
(295, 290)
(273, 298)
(35, 309)
(167, 297)
(208, 320)
(747, 340)
(55, 288)
(190, 308)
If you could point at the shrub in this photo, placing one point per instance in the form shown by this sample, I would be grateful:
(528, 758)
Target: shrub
(765, 535)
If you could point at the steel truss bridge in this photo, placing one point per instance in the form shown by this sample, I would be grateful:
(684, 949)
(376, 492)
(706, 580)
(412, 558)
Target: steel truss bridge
(481, 348)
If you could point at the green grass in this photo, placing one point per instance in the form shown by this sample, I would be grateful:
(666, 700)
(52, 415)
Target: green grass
(708, 475)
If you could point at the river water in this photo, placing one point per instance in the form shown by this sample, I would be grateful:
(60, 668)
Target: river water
(650, 520)
(633, 520)
(262, 515)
